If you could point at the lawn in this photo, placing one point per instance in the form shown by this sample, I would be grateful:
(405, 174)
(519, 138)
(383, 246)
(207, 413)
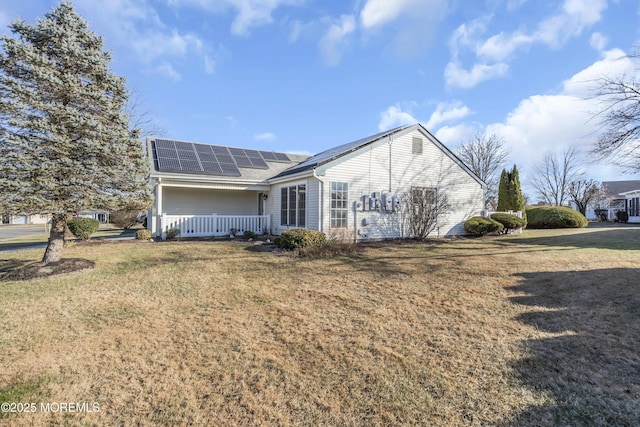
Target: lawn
(541, 328)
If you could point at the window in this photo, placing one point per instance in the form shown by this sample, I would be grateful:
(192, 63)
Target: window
(293, 205)
(339, 204)
(416, 145)
(634, 206)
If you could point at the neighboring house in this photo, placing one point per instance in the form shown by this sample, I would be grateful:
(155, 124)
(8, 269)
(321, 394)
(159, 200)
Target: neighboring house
(356, 189)
(613, 199)
(101, 216)
(632, 204)
(25, 219)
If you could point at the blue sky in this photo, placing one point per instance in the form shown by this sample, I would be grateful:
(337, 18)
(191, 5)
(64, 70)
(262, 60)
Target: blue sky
(307, 75)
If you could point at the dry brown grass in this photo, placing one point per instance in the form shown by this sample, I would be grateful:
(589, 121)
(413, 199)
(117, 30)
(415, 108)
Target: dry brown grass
(538, 329)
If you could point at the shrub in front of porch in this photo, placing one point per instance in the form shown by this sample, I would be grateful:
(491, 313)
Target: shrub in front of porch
(299, 238)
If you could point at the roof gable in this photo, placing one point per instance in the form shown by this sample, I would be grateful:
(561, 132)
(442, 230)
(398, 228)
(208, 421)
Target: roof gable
(338, 153)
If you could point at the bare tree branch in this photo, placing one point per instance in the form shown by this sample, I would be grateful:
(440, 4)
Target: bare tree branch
(619, 118)
(551, 179)
(485, 155)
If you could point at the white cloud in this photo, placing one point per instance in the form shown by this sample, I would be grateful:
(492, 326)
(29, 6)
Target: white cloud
(457, 76)
(453, 136)
(249, 13)
(613, 63)
(393, 117)
(265, 136)
(493, 53)
(335, 41)
(552, 123)
(136, 25)
(598, 41)
(446, 112)
(209, 64)
(167, 69)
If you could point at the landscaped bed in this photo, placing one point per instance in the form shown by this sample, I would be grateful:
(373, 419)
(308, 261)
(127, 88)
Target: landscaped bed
(541, 328)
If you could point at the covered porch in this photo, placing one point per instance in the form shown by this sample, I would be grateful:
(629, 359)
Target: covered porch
(201, 209)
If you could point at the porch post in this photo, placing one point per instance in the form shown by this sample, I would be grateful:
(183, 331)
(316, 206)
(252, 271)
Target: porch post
(158, 230)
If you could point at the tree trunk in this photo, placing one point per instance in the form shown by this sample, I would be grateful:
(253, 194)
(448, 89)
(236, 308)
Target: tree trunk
(53, 252)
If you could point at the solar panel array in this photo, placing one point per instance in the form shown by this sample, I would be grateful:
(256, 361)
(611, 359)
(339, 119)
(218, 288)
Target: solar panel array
(187, 157)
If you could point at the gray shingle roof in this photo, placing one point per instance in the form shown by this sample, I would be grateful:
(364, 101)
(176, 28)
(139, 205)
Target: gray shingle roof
(614, 188)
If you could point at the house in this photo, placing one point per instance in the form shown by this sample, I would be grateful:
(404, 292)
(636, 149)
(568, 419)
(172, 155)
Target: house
(356, 189)
(613, 199)
(25, 219)
(632, 204)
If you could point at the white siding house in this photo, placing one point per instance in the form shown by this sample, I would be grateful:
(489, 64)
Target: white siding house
(632, 205)
(354, 190)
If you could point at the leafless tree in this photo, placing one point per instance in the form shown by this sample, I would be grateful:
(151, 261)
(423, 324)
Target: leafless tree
(424, 207)
(141, 118)
(552, 177)
(485, 156)
(583, 192)
(619, 117)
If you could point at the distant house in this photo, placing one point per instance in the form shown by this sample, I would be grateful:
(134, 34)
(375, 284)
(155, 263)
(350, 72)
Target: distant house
(25, 219)
(632, 204)
(356, 188)
(616, 196)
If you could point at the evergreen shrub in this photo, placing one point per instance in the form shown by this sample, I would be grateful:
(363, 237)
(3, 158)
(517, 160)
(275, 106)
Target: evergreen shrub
(298, 238)
(622, 216)
(555, 217)
(143, 235)
(509, 221)
(480, 225)
(172, 233)
(83, 228)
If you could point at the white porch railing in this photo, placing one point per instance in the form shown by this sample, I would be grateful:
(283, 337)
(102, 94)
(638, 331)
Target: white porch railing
(215, 225)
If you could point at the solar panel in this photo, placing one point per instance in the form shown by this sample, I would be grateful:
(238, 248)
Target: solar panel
(236, 151)
(188, 146)
(224, 158)
(168, 164)
(163, 143)
(242, 161)
(219, 150)
(258, 163)
(187, 157)
(192, 166)
(268, 155)
(212, 168)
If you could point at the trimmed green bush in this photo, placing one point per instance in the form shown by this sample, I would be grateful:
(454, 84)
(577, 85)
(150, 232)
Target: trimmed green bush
(555, 217)
(480, 225)
(622, 216)
(298, 238)
(172, 233)
(83, 228)
(509, 221)
(143, 235)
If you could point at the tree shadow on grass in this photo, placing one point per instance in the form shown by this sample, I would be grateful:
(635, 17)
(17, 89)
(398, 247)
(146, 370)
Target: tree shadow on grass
(590, 370)
(601, 239)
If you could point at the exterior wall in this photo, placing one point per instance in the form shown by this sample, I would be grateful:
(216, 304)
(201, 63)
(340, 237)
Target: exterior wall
(273, 204)
(391, 166)
(196, 201)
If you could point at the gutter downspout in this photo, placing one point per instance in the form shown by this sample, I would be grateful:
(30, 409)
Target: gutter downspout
(389, 142)
(320, 204)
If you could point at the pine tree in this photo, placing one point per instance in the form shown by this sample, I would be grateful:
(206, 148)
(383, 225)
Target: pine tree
(509, 193)
(65, 141)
